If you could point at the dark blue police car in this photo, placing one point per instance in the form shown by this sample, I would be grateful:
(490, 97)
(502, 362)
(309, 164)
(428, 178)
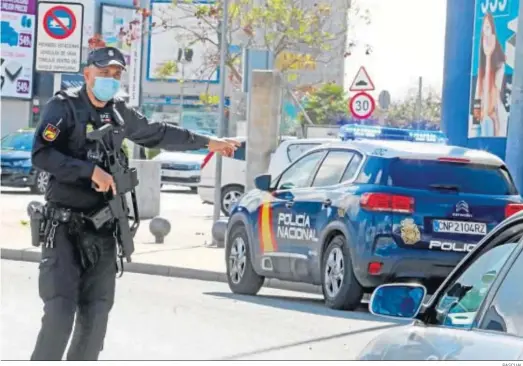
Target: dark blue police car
(353, 215)
(16, 167)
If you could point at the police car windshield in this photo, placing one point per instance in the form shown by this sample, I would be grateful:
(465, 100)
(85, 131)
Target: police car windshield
(19, 141)
(463, 178)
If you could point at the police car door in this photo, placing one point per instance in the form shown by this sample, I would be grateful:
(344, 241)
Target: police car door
(293, 214)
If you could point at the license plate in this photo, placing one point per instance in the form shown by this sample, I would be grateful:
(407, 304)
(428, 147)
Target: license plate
(171, 173)
(459, 227)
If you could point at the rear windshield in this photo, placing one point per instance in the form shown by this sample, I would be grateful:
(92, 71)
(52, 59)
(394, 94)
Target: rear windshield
(464, 178)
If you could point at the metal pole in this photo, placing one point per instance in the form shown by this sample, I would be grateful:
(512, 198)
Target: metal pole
(419, 101)
(514, 128)
(221, 112)
(182, 91)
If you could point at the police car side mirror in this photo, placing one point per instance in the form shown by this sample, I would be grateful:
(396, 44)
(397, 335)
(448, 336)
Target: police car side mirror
(263, 182)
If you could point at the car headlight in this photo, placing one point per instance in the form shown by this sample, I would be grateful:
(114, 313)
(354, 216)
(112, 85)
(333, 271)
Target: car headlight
(195, 167)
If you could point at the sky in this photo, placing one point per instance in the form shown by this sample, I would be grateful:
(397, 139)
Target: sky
(407, 37)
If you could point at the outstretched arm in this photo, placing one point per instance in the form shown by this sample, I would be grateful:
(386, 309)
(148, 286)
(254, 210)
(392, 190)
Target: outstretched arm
(166, 136)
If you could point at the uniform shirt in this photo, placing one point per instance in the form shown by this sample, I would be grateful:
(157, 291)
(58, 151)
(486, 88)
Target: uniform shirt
(62, 149)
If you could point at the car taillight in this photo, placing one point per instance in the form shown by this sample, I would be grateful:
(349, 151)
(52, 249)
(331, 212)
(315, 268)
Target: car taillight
(206, 160)
(454, 160)
(374, 268)
(513, 208)
(385, 202)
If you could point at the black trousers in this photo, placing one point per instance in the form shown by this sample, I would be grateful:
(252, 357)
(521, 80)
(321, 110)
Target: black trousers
(67, 290)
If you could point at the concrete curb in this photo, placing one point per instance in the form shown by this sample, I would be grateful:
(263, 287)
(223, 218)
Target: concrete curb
(167, 271)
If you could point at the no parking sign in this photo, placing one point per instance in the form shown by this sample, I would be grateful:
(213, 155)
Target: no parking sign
(59, 38)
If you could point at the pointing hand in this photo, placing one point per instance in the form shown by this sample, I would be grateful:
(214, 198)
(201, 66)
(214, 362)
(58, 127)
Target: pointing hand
(225, 146)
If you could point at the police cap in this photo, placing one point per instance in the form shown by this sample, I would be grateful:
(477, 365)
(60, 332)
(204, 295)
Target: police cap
(106, 56)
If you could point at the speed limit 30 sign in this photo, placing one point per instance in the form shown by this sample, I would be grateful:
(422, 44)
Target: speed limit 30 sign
(362, 105)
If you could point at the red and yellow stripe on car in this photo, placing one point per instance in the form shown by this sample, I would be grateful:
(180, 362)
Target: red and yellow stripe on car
(265, 229)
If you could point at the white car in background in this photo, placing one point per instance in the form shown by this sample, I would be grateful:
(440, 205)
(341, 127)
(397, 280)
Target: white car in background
(233, 169)
(181, 168)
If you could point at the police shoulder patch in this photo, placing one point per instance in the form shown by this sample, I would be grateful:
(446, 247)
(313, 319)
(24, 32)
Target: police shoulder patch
(50, 133)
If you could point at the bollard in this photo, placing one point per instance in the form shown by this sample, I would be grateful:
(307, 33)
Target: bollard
(159, 227)
(219, 230)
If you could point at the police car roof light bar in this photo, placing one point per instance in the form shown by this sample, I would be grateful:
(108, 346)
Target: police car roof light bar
(355, 131)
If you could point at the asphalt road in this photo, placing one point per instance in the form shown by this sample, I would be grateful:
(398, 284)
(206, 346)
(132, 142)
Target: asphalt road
(159, 318)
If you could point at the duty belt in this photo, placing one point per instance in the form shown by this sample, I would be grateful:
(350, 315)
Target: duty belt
(56, 214)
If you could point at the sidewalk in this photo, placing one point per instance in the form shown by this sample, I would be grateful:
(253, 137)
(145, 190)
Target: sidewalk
(186, 252)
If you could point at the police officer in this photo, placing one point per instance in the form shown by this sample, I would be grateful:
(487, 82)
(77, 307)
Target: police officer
(66, 287)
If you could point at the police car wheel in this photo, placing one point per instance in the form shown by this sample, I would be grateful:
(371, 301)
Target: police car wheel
(341, 289)
(241, 277)
(230, 195)
(41, 182)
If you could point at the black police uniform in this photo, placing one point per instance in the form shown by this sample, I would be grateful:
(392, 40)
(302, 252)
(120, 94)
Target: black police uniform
(60, 148)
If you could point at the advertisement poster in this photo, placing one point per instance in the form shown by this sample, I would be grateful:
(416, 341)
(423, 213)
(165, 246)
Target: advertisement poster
(493, 55)
(196, 60)
(122, 28)
(17, 38)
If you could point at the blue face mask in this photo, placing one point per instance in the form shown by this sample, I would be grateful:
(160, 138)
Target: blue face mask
(104, 89)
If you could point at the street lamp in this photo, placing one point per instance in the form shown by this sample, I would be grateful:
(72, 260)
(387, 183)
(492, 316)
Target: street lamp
(221, 111)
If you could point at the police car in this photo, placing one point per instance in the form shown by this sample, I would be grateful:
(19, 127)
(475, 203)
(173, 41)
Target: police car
(352, 215)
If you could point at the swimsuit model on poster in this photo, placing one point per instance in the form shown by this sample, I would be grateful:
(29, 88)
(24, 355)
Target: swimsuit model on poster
(491, 70)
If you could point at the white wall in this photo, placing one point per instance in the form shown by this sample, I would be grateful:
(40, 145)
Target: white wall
(16, 114)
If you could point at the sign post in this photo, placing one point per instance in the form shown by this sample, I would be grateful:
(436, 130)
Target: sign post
(362, 104)
(59, 37)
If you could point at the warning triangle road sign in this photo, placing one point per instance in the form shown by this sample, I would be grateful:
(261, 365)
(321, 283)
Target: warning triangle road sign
(362, 81)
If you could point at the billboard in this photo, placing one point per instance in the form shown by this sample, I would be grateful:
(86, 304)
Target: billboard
(493, 53)
(179, 41)
(121, 27)
(17, 43)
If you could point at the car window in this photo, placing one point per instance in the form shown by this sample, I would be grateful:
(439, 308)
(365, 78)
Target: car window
(372, 171)
(459, 304)
(240, 152)
(351, 170)
(295, 150)
(300, 173)
(19, 141)
(332, 168)
(423, 174)
(505, 313)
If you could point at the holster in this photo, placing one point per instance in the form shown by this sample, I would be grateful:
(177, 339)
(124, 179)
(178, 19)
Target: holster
(89, 244)
(37, 223)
